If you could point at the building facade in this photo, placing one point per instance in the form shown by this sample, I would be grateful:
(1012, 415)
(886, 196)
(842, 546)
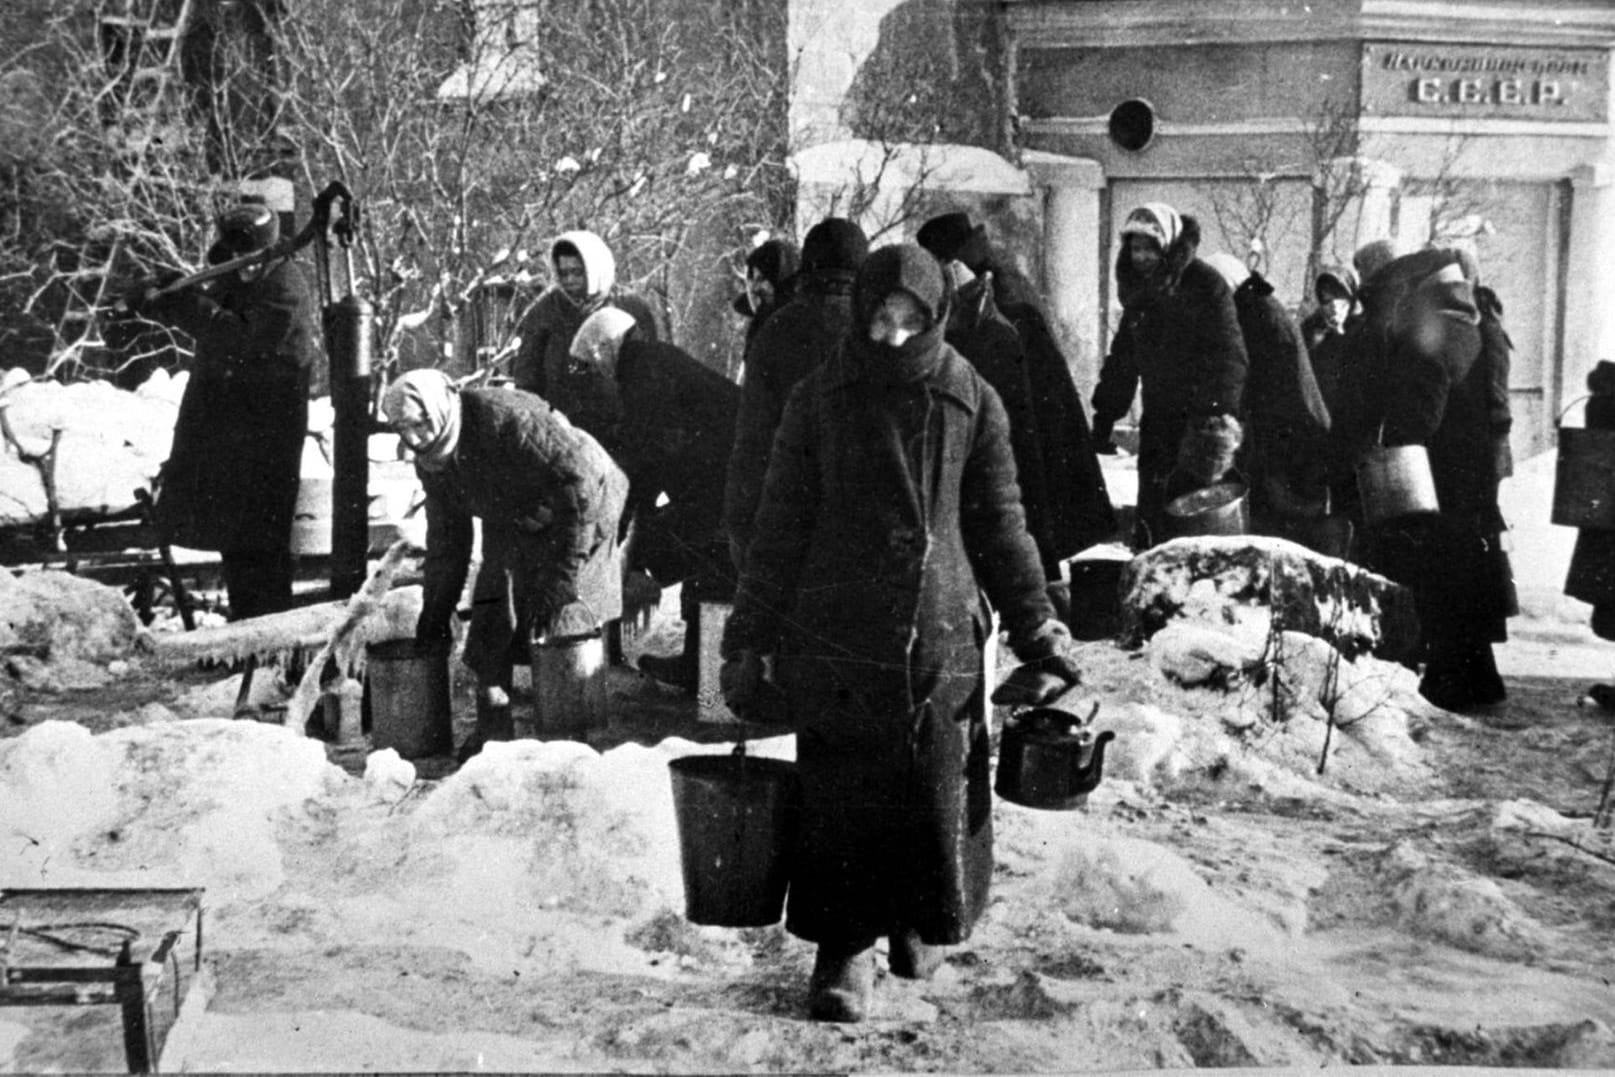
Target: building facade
(1296, 132)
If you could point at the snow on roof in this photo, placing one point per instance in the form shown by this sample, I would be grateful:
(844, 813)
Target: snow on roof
(938, 165)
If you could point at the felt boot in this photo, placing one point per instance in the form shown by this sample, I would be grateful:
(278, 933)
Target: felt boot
(493, 721)
(843, 982)
(910, 958)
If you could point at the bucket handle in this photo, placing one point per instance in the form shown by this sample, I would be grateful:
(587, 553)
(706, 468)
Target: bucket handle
(1560, 420)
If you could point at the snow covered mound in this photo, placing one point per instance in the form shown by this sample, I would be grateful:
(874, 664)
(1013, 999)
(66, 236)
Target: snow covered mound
(58, 620)
(1232, 579)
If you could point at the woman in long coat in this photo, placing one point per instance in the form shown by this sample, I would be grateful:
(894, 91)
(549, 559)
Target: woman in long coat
(889, 507)
(550, 501)
(230, 482)
(585, 281)
(1179, 338)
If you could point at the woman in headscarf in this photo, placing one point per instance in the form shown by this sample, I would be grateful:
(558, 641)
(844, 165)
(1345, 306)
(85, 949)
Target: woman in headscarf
(550, 500)
(890, 519)
(1179, 338)
(585, 281)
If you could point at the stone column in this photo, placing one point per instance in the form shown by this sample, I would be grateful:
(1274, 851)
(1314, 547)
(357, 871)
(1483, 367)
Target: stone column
(1589, 326)
(1072, 275)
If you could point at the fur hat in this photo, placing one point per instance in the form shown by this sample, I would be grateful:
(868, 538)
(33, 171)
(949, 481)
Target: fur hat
(1373, 257)
(1157, 220)
(243, 229)
(834, 244)
(952, 236)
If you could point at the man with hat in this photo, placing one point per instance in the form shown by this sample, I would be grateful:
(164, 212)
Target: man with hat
(230, 482)
(1076, 502)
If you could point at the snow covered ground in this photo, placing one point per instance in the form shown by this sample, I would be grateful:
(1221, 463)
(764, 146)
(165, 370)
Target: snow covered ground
(1435, 896)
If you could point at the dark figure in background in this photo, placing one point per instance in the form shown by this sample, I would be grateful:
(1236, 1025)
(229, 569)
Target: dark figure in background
(585, 281)
(1179, 338)
(1591, 577)
(678, 425)
(230, 483)
(1421, 352)
(1286, 423)
(771, 270)
(797, 338)
(1496, 357)
(891, 517)
(1079, 512)
(550, 501)
(1331, 335)
(986, 339)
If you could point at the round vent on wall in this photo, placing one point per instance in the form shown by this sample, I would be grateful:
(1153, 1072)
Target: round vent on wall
(1132, 124)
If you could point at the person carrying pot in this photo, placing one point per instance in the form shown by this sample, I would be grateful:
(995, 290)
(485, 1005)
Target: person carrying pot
(1423, 383)
(230, 482)
(550, 500)
(1179, 343)
(890, 519)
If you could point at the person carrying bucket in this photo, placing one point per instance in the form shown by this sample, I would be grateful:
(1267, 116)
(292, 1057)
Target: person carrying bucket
(550, 500)
(1180, 341)
(889, 510)
(1421, 383)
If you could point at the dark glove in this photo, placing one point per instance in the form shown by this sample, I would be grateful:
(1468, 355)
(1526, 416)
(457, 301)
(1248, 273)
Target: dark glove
(1048, 667)
(1101, 439)
(1206, 451)
(144, 297)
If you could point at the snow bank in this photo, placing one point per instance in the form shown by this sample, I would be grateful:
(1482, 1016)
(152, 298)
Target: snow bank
(57, 617)
(196, 803)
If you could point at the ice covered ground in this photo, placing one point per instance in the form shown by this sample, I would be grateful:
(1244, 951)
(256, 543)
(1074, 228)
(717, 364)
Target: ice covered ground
(1435, 896)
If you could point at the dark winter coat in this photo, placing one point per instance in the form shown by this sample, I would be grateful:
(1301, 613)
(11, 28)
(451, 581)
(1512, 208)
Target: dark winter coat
(986, 339)
(1179, 342)
(678, 426)
(1287, 423)
(1591, 577)
(230, 483)
(796, 338)
(1079, 509)
(550, 500)
(1495, 355)
(890, 508)
(1423, 347)
(542, 363)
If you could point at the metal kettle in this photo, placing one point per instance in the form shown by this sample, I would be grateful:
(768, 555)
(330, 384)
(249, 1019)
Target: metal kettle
(1049, 758)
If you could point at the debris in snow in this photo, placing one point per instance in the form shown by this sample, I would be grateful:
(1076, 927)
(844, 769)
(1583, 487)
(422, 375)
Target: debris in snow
(1226, 579)
(57, 617)
(388, 775)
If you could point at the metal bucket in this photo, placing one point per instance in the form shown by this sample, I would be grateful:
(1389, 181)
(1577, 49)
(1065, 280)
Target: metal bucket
(1396, 481)
(1223, 508)
(1584, 479)
(407, 693)
(1095, 601)
(569, 685)
(737, 818)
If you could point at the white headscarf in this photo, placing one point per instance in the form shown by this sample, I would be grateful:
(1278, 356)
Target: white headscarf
(1157, 220)
(600, 336)
(599, 265)
(429, 395)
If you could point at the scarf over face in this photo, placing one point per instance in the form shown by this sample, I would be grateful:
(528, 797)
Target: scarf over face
(428, 397)
(910, 268)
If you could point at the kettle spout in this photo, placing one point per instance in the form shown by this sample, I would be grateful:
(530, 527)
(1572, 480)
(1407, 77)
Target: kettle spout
(1089, 767)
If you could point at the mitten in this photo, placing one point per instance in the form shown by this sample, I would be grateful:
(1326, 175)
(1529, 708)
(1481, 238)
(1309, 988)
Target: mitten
(1048, 667)
(1101, 438)
(1206, 451)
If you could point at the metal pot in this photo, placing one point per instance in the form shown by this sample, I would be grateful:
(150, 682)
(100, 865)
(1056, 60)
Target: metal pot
(1049, 759)
(1219, 509)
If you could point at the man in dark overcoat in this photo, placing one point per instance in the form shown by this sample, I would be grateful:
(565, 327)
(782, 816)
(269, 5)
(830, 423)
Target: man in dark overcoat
(678, 426)
(550, 500)
(889, 522)
(1179, 339)
(1079, 510)
(230, 482)
(795, 339)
